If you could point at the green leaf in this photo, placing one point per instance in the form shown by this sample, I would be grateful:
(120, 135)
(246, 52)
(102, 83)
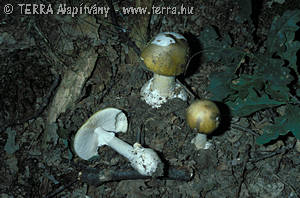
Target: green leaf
(252, 103)
(280, 93)
(245, 82)
(280, 27)
(298, 92)
(220, 84)
(292, 123)
(282, 125)
(216, 48)
(276, 78)
(292, 47)
(270, 133)
(274, 72)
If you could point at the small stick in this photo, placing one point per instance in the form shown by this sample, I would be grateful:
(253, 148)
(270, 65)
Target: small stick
(193, 96)
(140, 136)
(61, 189)
(123, 35)
(241, 128)
(97, 177)
(272, 154)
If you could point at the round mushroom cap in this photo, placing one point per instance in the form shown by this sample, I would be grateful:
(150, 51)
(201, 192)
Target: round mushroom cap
(86, 139)
(203, 115)
(166, 54)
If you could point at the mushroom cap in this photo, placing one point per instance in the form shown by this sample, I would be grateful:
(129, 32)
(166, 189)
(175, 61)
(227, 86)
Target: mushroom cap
(203, 115)
(166, 54)
(86, 140)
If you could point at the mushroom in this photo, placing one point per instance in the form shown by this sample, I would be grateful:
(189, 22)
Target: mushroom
(100, 130)
(204, 117)
(166, 55)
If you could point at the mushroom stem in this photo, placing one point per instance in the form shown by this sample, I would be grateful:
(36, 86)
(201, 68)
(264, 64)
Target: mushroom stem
(121, 147)
(200, 141)
(144, 160)
(164, 84)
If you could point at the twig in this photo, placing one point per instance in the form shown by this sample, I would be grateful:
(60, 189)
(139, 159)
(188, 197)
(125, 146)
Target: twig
(294, 189)
(193, 96)
(263, 157)
(277, 152)
(123, 34)
(240, 128)
(297, 101)
(244, 171)
(61, 189)
(97, 177)
(140, 136)
(190, 59)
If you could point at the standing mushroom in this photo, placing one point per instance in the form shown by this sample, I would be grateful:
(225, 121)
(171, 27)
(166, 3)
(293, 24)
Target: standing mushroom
(166, 55)
(100, 130)
(203, 116)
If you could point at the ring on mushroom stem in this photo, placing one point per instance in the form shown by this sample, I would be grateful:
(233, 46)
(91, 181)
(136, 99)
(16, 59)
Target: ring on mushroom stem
(203, 116)
(166, 55)
(100, 130)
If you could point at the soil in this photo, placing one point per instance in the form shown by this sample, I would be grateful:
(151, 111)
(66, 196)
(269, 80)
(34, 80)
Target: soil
(234, 166)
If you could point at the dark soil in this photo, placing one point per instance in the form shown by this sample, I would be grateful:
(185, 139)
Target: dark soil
(235, 166)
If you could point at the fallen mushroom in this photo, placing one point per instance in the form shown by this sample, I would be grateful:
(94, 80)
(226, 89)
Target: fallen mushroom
(203, 116)
(100, 130)
(166, 55)
(110, 119)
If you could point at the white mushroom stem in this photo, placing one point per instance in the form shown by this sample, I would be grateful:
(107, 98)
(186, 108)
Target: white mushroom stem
(165, 85)
(200, 141)
(161, 88)
(144, 160)
(121, 147)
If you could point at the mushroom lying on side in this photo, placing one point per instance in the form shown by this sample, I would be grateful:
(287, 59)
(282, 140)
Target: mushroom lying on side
(100, 130)
(166, 55)
(203, 116)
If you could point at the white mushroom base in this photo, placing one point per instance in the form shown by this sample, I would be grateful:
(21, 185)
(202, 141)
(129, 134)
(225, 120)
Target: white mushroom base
(156, 94)
(200, 141)
(144, 160)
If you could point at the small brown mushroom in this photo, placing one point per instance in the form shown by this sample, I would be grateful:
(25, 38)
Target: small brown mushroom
(203, 116)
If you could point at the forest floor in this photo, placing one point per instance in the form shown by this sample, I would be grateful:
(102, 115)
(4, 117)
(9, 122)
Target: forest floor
(234, 166)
